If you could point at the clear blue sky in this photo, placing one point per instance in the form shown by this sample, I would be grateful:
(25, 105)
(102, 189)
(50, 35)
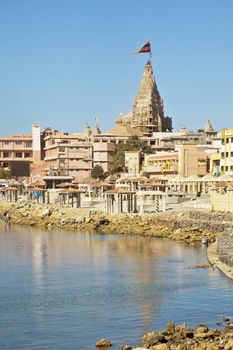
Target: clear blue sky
(63, 62)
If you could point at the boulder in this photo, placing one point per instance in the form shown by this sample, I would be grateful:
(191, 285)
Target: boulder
(79, 219)
(170, 327)
(229, 345)
(153, 338)
(201, 329)
(159, 347)
(46, 212)
(103, 343)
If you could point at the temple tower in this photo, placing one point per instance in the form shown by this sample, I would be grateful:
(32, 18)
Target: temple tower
(148, 113)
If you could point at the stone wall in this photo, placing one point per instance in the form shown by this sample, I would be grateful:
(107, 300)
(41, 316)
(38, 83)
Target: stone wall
(188, 226)
(221, 201)
(225, 248)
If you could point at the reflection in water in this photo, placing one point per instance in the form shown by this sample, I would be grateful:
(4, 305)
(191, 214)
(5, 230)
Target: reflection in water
(39, 259)
(58, 290)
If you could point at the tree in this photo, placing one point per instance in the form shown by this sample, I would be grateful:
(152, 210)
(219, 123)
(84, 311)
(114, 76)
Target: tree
(97, 172)
(5, 174)
(132, 144)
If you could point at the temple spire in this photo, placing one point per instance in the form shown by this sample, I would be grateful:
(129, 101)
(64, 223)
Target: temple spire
(148, 113)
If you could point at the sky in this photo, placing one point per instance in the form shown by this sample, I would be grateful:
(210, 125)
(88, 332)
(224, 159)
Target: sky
(65, 62)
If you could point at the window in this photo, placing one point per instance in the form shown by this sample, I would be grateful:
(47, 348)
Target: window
(6, 154)
(6, 142)
(27, 155)
(18, 154)
(28, 144)
(227, 139)
(18, 142)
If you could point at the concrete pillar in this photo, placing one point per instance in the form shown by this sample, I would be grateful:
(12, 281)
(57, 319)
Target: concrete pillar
(213, 191)
(163, 203)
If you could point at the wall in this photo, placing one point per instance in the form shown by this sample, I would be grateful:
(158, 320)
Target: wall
(221, 201)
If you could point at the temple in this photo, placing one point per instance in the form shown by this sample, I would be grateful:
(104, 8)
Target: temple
(148, 114)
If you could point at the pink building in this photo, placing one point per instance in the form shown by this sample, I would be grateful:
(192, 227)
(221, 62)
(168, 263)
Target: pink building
(20, 148)
(68, 154)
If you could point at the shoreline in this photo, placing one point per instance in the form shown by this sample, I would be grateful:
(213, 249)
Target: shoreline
(181, 337)
(186, 226)
(214, 260)
(194, 226)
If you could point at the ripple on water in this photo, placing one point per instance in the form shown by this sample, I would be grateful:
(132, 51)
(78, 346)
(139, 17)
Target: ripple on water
(59, 290)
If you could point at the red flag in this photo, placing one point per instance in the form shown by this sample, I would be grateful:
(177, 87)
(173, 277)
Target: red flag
(145, 49)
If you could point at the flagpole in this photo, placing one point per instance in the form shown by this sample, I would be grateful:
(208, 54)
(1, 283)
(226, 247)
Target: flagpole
(150, 56)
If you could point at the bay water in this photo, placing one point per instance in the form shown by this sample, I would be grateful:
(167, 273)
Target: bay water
(66, 290)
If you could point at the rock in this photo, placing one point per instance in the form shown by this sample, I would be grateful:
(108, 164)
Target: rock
(79, 219)
(159, 347)
(153, 338)
(229, 345)
(228, 328)
(201, 329)
(170, 327)
(103, 221)
(7, 215)
(46, 212)
(204, 240)
(103, 343)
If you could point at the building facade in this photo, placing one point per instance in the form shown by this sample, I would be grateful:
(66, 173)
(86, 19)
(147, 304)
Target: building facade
(68, 155)
(226, 160)
(192, 160)
(161, 163)
(20, 148)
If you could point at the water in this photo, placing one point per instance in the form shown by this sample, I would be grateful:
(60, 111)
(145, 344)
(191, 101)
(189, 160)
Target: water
(66, 291)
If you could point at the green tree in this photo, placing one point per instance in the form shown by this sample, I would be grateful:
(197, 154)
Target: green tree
(132, 144)
(5, 174)
(97, 172)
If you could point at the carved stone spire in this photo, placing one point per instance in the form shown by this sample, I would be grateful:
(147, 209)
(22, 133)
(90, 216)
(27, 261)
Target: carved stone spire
(148, 114)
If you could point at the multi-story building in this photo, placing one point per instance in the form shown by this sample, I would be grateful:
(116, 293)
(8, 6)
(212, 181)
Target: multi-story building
(192, 160)
(20, 148)
(132, 162)
(68, 154)
(226, 160)
(103, 153)
(161, 163)
(186, 160)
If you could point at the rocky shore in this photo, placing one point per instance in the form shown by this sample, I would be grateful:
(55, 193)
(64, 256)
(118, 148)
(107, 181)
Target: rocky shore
(188, 226)
(183, 338)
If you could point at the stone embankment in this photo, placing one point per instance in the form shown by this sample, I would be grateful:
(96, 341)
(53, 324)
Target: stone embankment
(184, 338)
(188, 226)
(225, 248)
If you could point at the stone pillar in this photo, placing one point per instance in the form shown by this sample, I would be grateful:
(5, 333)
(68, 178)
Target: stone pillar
(213, 191)
(141, 201)
(163, 203)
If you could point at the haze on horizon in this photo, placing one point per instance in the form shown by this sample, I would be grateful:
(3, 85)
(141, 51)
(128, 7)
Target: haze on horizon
(65, 62)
